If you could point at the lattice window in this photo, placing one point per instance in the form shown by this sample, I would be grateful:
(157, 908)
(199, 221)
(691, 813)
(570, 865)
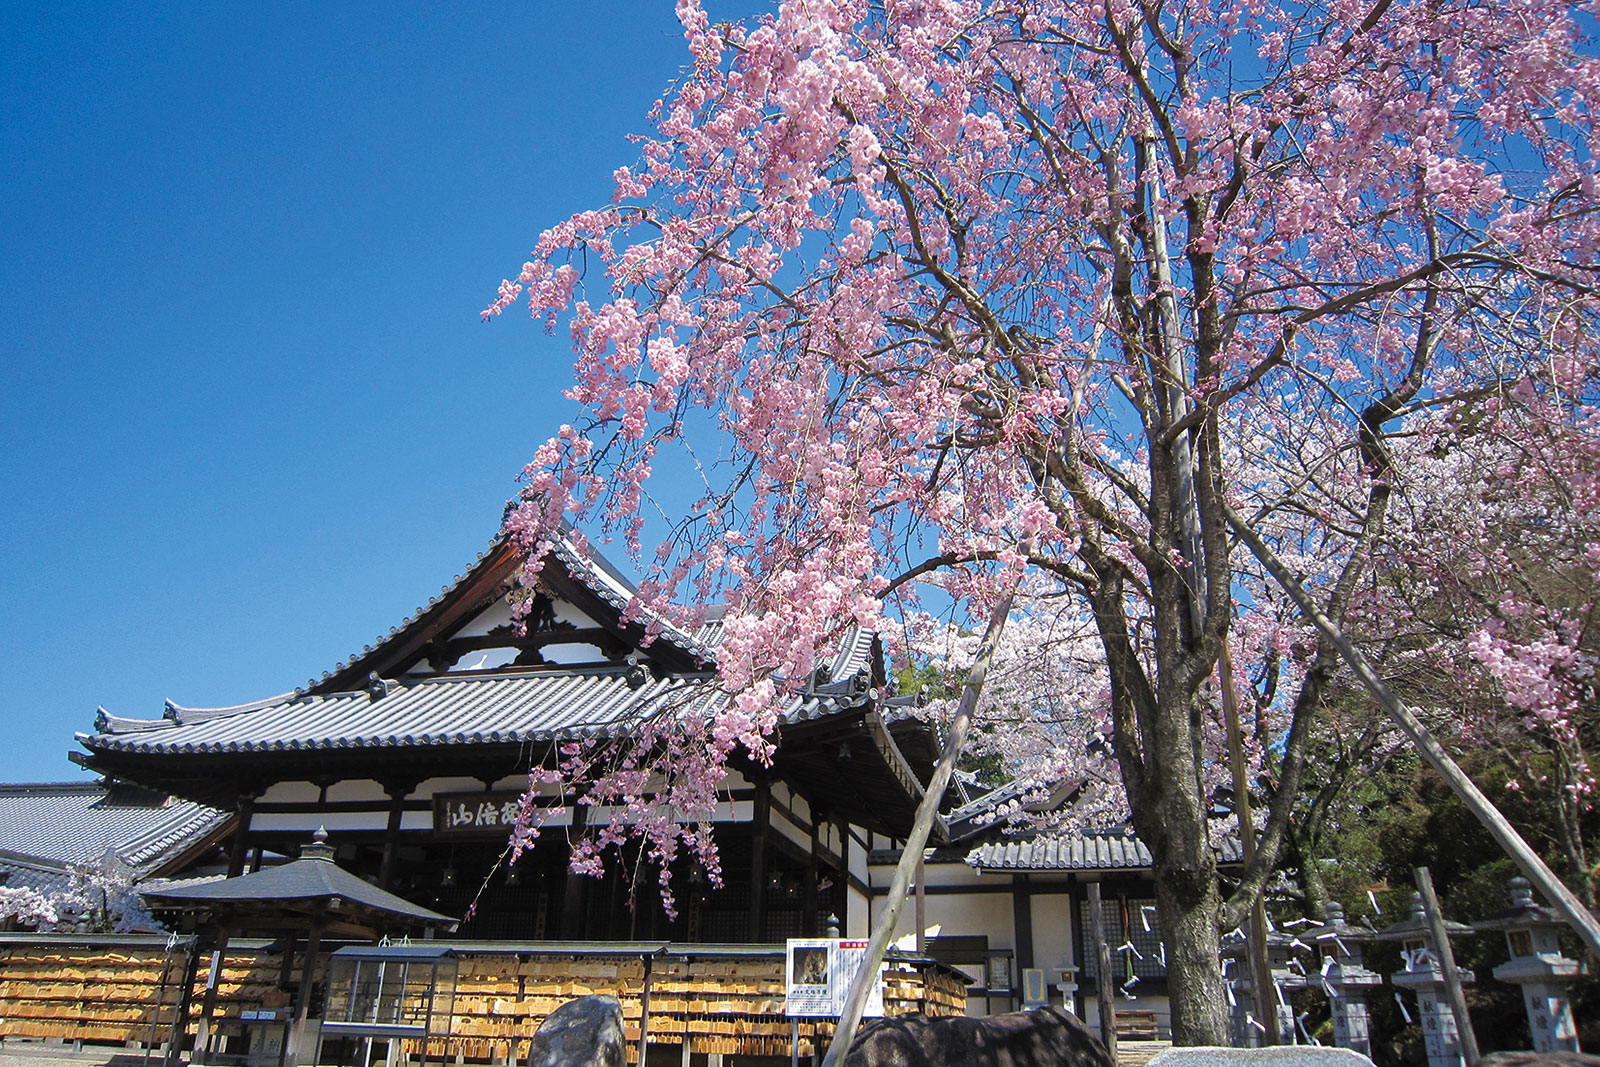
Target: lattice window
(1126, 919)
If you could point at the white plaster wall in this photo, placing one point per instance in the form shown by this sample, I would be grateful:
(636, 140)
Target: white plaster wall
(307, 822)
(968, 914)
(797, 804)
(789, 830)
(859, 924)
(858, 861)
(943, 874)
(423, 820)
(291, 793)
(499, 614)
(363, 790)
(433, 786)
(1052, 934)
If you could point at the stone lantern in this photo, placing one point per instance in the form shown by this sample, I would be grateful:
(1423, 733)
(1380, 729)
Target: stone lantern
(1345, 978)
(1425, 977)
(1280, 953)
(1538, 966)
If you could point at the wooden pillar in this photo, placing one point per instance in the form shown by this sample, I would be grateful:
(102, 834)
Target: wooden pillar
(208, 1006)
(644, 1012)
(810, 918)
(1022, 923)
(1447, 965)
(761, 823)
(842, 828)
(244, 809)
(302, 997)
(575, 893)
(398, 791)
(180, 1013)
(922, 905)
(286, 968)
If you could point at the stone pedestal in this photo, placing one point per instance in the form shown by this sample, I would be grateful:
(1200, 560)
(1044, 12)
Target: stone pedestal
(1343, 975)
(1425, 978)
(1279, 1028)
(1538, 966)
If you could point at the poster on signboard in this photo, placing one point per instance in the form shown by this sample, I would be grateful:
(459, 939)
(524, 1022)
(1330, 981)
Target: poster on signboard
(808, 976)
(817, 976)
(851, 955)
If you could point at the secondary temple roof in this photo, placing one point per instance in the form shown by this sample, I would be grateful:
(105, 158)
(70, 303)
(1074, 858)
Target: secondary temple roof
(1087, 851)
(47, 828)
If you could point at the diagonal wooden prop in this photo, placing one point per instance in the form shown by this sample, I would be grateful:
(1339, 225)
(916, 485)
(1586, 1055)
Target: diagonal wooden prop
(856, 999)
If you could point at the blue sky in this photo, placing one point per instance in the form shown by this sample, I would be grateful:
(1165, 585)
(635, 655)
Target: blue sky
(250, 418)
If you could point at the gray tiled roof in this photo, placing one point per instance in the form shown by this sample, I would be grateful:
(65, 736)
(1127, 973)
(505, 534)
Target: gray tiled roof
(1089, 851)
(448, 709)
(79, 822)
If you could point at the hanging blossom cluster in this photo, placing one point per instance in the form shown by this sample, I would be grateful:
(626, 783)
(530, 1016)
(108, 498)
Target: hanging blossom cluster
(1042, 722)
(934, 295)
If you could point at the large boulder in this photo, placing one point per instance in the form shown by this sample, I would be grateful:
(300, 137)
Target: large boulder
(586, 1032)
(1270, 1056)
(1044, 1037)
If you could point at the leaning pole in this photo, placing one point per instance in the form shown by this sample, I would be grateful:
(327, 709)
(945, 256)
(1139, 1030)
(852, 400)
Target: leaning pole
(855, 1001)
(1537, 871)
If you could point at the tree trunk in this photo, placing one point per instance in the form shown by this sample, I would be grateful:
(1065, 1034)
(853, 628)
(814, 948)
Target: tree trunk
(1194, 968)
(1190, 903)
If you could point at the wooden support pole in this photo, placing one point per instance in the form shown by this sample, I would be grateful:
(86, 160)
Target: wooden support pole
(922, 903)
(644, 1011)
(180, 1013)
(208, 1006)
(810, 921)
(398, 791)
(243, 811)
(927, 811)
(1021, 925)
(575, 892)
(1104, 992)
(842, 879)
(1447, 964)
(302, 997)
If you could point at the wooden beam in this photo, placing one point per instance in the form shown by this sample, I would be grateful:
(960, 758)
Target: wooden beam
(761, 821)
(1104, 992)
(1447, 965)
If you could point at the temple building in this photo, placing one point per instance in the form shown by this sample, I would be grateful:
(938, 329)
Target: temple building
(413, 754)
